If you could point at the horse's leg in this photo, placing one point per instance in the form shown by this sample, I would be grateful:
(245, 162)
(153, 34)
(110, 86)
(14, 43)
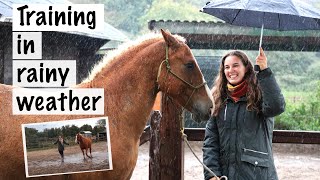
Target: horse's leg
(87, 153)
(90, 150)
(84, 157)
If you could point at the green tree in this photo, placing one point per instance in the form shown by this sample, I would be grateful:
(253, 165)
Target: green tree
(100, 126)
(124, 14)
(74, 130)
(101, 122)
(173, 10)
(66, 130)
(31, 137)
(86, 127)
(30, 132)
(52, 132)
(318, 90)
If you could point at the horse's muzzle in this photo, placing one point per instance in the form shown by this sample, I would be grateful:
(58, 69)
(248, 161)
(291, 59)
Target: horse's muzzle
(201, 111)
(197, 117)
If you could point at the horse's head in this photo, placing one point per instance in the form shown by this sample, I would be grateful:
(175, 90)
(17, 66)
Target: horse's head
(78, 138)
(180, 77)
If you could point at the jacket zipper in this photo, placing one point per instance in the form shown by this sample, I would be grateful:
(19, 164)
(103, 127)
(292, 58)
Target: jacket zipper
(225, 112)
(245, 149)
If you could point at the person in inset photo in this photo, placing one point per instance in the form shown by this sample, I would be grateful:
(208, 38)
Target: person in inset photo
(61, 142)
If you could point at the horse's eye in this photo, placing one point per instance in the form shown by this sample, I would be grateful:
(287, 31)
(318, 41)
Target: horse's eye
(190, 65)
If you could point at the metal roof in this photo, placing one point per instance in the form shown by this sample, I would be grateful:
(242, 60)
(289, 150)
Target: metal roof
(110, 32)
(86, 132)
(220, 35)
(220, 27)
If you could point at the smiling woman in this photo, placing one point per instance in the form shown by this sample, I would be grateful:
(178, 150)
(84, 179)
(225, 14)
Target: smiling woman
(239, 134)
(234, 70)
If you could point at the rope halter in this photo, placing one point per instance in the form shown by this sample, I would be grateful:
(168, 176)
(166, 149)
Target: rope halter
(166, 61)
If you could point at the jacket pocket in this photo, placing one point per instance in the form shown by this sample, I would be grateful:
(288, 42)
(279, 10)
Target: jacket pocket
(256, 158)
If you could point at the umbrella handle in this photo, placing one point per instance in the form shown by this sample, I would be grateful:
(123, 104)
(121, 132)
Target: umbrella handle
(257, 67)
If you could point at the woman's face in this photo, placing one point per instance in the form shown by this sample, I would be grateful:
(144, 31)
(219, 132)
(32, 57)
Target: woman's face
(234, 70)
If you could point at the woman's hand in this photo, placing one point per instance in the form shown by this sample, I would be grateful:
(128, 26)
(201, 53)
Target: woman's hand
(261, 59)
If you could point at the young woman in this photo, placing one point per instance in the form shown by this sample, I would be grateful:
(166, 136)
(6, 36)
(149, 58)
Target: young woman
(61, 142)
(238, 137)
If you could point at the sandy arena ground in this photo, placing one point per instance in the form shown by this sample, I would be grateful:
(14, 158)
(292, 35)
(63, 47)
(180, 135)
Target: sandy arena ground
(293, 161)
(49, 161)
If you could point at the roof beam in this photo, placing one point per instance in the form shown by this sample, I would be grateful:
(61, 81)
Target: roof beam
(218, 35)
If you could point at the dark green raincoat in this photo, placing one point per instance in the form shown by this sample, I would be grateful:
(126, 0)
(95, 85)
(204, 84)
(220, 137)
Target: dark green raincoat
(238, 143)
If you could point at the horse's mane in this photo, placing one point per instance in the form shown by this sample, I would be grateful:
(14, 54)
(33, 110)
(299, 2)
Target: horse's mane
(124, 48)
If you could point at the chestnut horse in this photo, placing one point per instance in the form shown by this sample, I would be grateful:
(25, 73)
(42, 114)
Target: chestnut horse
(131, 79)
(85, 144)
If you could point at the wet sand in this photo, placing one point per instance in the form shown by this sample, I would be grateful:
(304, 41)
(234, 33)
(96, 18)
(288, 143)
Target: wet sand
(293, 161)
(49, 161)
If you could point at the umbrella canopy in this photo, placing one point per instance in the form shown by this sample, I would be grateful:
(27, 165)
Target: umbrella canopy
(282, 15)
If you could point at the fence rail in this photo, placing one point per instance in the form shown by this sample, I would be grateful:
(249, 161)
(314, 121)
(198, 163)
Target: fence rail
(166, 149)
(279, 136)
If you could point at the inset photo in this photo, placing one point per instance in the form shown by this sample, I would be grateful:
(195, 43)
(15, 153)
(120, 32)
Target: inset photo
(65, 147)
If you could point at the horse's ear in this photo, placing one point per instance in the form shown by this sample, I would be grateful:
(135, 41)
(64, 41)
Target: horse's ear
(170, 40)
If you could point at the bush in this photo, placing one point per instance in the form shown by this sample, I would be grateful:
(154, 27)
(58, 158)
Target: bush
(303, 115)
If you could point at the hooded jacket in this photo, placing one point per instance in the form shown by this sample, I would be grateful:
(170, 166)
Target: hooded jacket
(238, 142)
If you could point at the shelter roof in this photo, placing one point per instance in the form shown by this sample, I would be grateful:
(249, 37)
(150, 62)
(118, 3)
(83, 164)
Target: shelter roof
(219, 35)
(86, 132)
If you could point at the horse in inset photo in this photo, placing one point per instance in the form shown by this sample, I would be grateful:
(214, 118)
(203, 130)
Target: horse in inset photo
(85, 144)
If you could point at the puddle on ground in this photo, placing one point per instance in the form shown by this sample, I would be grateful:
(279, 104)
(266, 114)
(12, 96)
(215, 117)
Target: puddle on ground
(97, 159)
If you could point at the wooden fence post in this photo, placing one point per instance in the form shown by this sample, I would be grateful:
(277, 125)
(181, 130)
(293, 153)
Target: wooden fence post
(166, 146)
(154, 162)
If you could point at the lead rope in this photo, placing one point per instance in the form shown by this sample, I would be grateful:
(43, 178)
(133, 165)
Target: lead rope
(184, 137)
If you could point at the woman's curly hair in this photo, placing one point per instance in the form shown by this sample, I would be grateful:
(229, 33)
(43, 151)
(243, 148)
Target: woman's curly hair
(219, 90)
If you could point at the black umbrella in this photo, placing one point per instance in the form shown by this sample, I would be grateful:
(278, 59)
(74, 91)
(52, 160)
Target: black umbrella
(282, 15)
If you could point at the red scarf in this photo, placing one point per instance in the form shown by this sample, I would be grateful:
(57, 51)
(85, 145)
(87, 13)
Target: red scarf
(236, 92)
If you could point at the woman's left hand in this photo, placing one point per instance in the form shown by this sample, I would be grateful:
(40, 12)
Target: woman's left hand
(261, 59)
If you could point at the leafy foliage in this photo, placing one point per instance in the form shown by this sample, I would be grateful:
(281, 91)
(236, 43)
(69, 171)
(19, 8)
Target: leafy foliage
(44, 139)
(301, 114)
(125, 14)
(173, 10)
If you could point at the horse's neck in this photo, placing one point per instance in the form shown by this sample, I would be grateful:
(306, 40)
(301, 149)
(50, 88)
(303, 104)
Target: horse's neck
(129, 88)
